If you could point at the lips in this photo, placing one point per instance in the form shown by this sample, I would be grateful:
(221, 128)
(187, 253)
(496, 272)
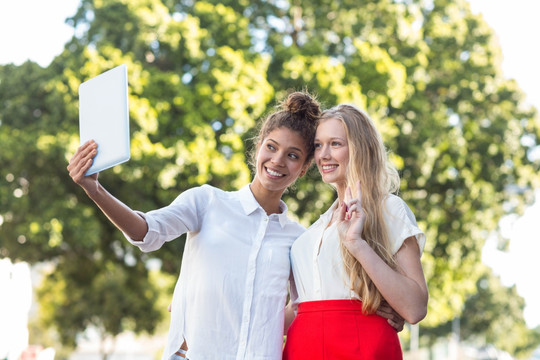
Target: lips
(274, 173)
(328, 168)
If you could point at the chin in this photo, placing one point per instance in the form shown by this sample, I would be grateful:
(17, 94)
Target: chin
(327, 181)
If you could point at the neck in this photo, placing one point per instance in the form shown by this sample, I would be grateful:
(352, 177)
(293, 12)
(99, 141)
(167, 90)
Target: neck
(269, 200)
(341, 189)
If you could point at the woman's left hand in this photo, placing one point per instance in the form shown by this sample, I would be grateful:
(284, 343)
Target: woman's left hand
(394, 319)
(351, 220)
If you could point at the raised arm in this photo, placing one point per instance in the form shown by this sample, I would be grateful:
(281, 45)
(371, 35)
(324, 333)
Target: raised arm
(123, 217)
(404, 289)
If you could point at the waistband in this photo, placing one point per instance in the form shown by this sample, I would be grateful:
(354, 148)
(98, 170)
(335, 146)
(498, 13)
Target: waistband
(330, 305)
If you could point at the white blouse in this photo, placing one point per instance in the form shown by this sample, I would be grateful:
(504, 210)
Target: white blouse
(230, 297)
(319, 273)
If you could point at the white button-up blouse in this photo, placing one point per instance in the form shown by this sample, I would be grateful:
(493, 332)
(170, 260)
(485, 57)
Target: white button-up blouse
(319, 273)
(230, 297)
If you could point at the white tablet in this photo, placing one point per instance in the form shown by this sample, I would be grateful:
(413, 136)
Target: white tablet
(104, 117)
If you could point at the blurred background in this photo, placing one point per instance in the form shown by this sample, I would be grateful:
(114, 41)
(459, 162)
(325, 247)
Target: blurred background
(452, 85)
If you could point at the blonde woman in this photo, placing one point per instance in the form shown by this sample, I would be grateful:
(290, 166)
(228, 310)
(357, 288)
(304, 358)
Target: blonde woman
(364, 251)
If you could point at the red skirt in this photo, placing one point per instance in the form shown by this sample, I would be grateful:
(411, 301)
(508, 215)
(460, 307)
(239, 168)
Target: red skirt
(337, 330)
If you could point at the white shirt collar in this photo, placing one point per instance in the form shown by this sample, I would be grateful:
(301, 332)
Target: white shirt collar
(250, 205)
(327, 216)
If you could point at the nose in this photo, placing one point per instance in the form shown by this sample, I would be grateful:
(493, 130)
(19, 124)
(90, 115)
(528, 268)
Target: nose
(279, 158)
(324, 152)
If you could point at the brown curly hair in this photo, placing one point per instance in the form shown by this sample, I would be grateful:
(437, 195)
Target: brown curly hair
(299, 112)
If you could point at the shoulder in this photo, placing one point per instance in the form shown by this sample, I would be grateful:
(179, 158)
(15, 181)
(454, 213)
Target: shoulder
(200, 195)
(295, 227)
(289, 222)
(401, 223)
(398, 208)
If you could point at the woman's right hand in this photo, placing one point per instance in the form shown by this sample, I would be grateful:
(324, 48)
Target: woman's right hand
(80, 163)
(121, 215)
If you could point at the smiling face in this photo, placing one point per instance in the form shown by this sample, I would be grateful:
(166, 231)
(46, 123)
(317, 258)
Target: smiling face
(332, 151)
(281, 159)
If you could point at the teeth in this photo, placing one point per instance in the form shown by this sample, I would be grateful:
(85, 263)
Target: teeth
(273, 173)
(329, 167)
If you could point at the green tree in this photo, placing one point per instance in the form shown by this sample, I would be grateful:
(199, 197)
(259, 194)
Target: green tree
(204, 104)
(468, 165)
(491, 312)
(494, 315)
(429, 73)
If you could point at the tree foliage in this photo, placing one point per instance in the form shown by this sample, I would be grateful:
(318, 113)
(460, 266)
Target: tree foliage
(201, 73)
(491, 312)
(493, 315)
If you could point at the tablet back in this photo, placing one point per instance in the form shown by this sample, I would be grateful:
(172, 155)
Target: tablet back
(104, 117)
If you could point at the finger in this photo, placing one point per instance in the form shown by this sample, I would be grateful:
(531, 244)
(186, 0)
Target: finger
(394, 321)
(88, 155)
(73, 167)
(80, 172)
(74, 161)
(348, 194)
(75, 158)
(384, 312)
(389, 315)
(398, 326)
(342, 211)
(89, 148)
(352, 209)
(359, 192)
(80, 159)
(75, 174)
(356, 211)
(86, 166)
(86, 148)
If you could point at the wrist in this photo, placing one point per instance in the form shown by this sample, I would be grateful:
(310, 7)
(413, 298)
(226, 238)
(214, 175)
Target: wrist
(93, 190)
(358, 247)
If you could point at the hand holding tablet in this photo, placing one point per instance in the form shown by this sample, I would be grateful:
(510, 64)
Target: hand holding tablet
(104, 117)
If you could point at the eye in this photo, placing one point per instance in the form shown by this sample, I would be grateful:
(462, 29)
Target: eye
(336, 143)
(317, 145)
(294, 156)
(270, 147)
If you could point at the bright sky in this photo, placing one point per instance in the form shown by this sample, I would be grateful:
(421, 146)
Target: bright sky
(35, 30)
(517, 27)
(516, 24)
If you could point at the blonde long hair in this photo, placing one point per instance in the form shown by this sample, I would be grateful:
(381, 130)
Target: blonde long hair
(368, 163)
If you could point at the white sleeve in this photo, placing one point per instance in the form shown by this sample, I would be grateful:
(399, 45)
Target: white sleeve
(293, 293)
(401, 224)
(183, 215)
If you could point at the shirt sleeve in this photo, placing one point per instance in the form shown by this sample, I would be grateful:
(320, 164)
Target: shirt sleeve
(293, 293)
(401, 224)
(183, 215)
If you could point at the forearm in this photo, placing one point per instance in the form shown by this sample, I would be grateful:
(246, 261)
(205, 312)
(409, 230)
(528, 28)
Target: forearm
(406, 296)
(289, 317)
(123, 217)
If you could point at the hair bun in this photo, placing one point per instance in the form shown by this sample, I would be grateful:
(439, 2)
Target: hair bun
(302, 105)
